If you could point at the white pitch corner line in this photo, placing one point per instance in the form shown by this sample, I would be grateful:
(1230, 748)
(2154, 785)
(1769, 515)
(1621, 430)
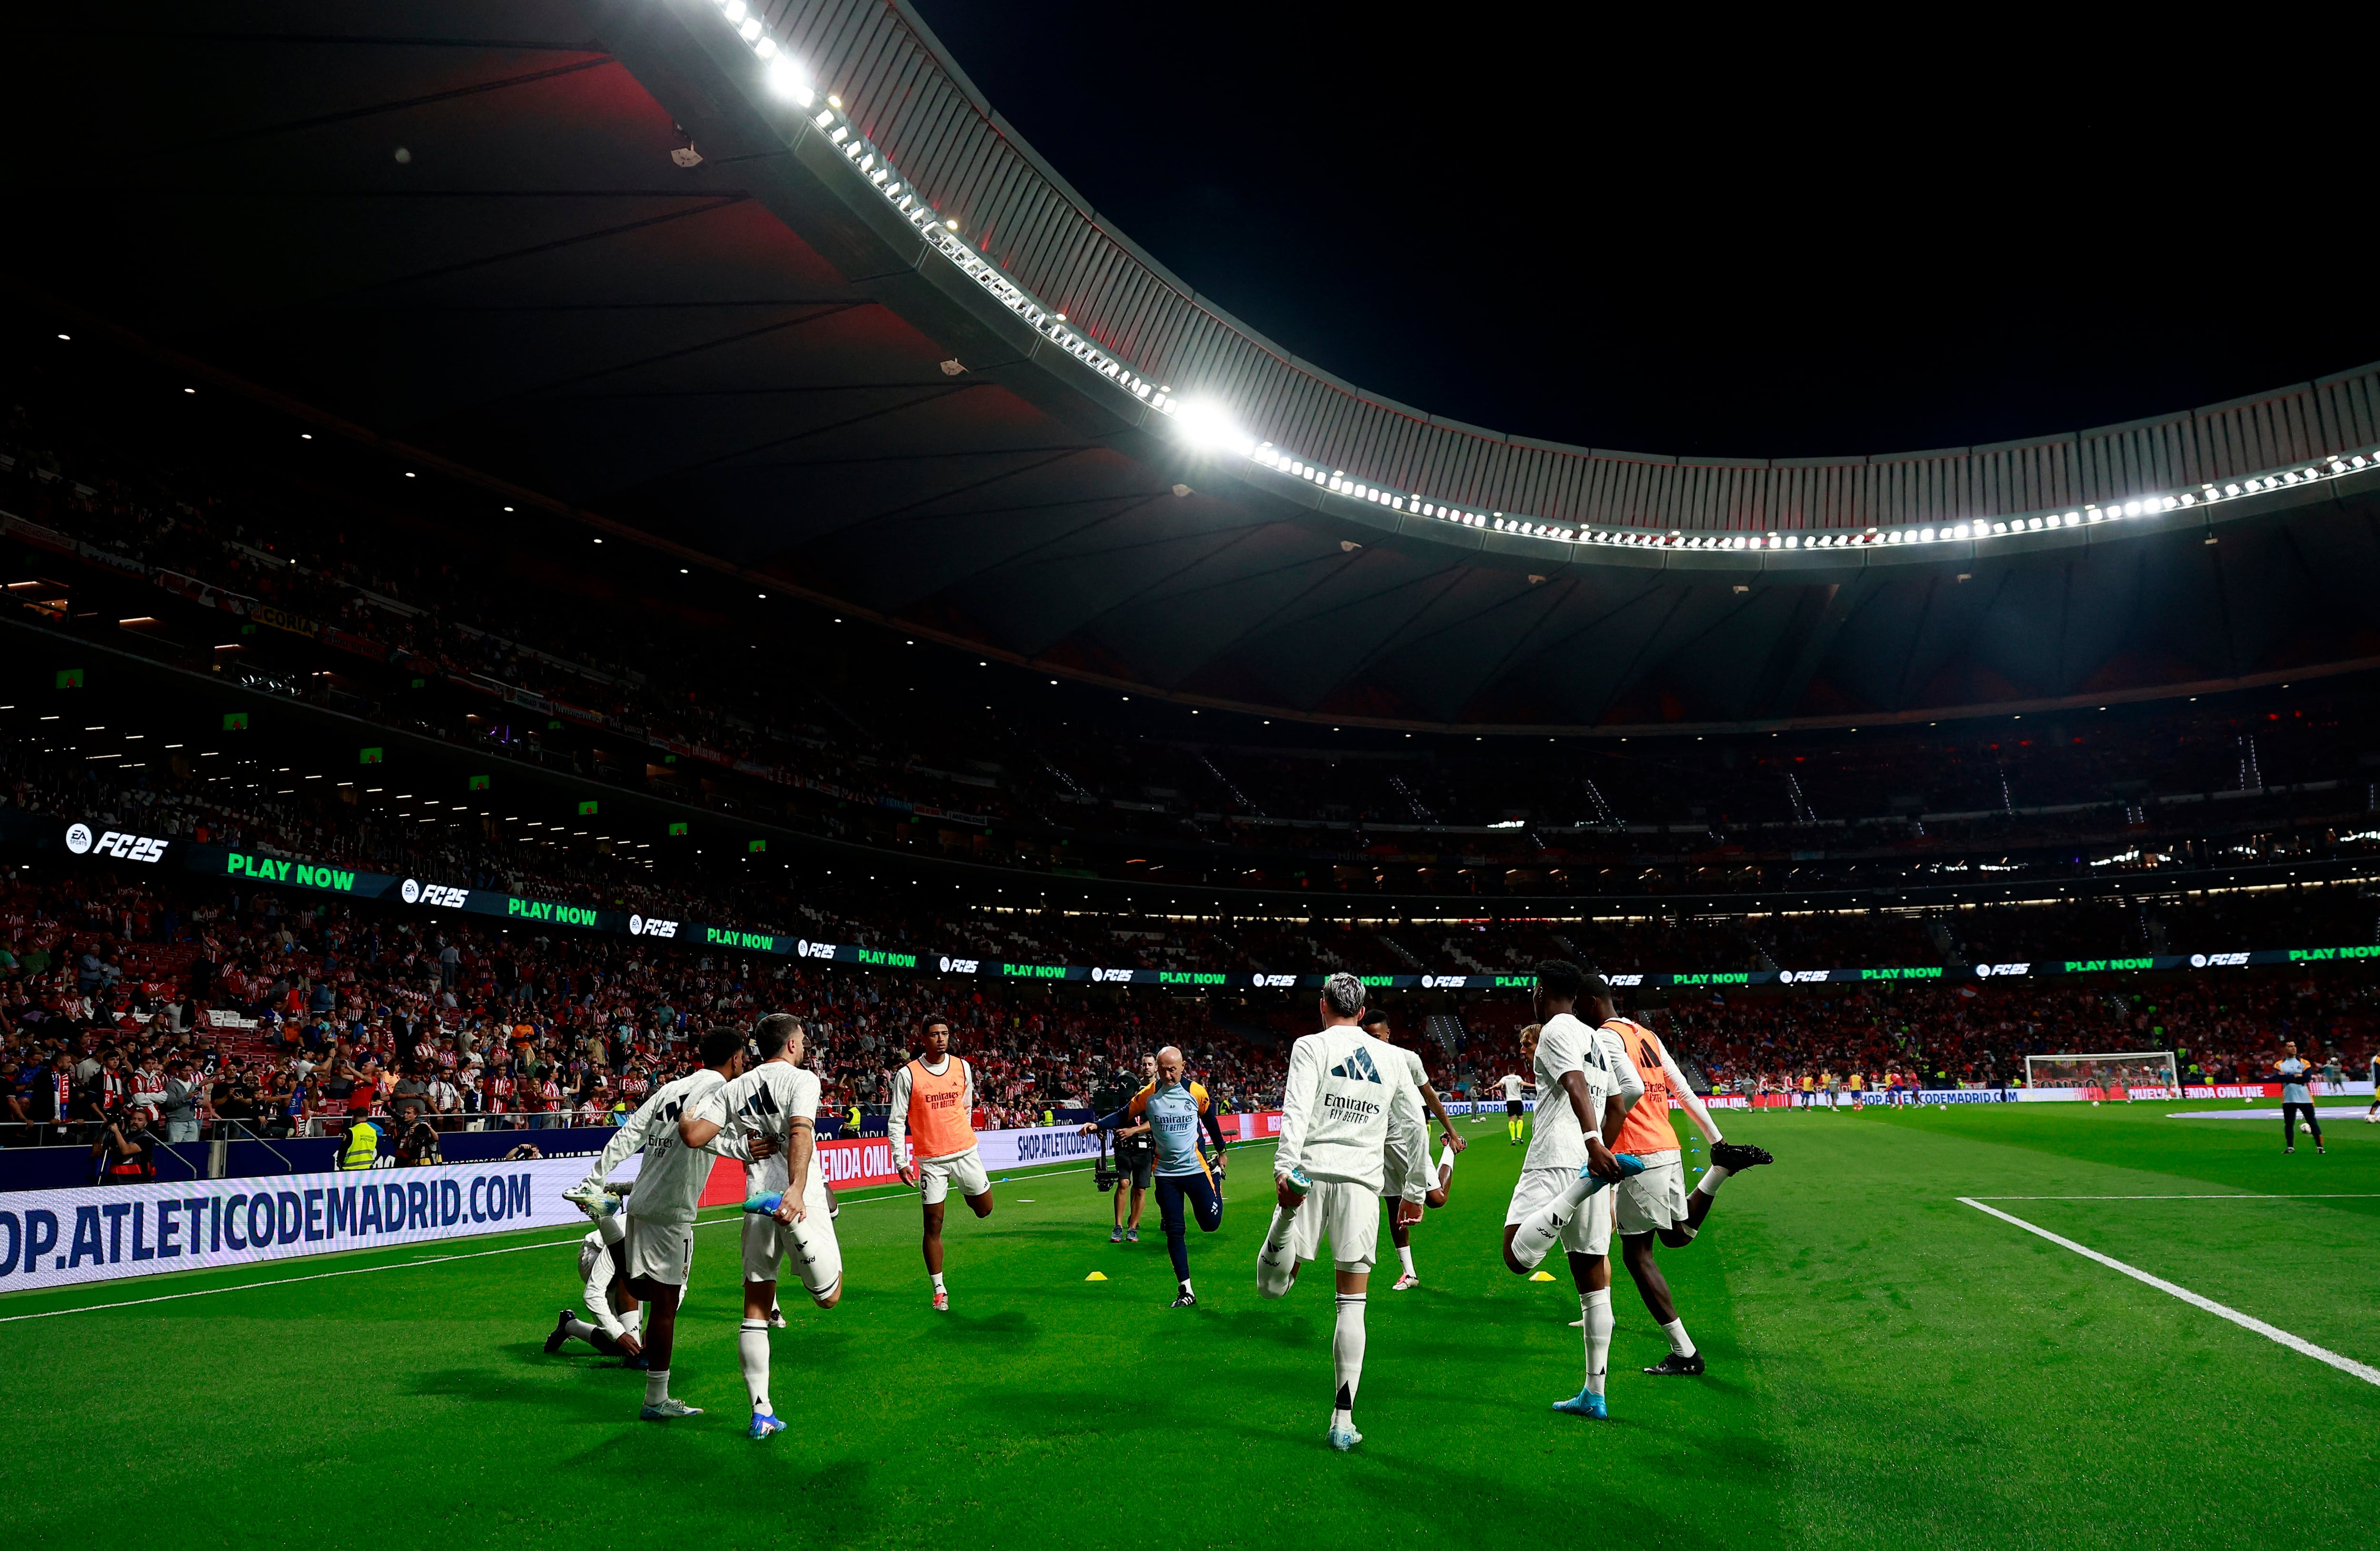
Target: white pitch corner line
(2364, 1371)
(2260, 1195)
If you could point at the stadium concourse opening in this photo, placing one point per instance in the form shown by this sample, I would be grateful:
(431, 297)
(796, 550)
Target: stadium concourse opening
(636, 649)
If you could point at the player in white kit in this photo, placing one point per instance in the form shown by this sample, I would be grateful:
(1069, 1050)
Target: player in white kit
(1515, 1088)
(1346, 1096)
(613, 1316)
(779, 1100)
(1587, 1084)
(1436, 1182)
(678, 1146)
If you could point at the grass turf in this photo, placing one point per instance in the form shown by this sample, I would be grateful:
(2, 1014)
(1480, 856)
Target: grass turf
(1887, 1367)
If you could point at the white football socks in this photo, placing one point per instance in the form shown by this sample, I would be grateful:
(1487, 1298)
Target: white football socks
(1594, 1309)
(1276, 1267)
(752, 1346)
(634, 1320)
(1404, 1259)
(656, 1385)
(1445, 1165)
(1537, 1235)
(938, 1282)
(580, 1329)
(1347, 1358)
(1680, 1344)
(1713, 1177)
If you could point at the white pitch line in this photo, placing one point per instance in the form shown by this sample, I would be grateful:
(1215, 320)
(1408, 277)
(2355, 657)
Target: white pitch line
(2258, 1196)
(2364, 1371)
(283, 1281)
(428, 1260)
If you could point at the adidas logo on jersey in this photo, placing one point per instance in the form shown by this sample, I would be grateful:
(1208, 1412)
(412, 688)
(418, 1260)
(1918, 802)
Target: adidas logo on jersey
(1357, 1068)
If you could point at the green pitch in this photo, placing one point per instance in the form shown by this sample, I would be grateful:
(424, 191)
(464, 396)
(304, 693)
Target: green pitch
(1888, 1368)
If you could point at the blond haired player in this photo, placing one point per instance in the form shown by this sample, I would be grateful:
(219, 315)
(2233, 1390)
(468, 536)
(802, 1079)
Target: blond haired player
(785, 1204)
(933, 1098)
(1656, 1201)
(1346, 1098)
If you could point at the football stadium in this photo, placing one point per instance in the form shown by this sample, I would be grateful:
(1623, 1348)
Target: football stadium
(639, 645)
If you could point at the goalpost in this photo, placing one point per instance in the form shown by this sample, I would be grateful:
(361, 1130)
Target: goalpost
(2108, 1071)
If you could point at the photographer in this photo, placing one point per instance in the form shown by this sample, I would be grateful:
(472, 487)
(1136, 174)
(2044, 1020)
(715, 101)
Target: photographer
(1136, 1146)
(129, 1148)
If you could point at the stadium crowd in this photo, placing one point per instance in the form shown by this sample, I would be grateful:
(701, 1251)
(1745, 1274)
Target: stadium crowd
(263, 1016)
(231, 1012)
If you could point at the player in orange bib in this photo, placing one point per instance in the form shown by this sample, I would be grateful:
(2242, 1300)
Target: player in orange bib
(933, 1097)
(1657, 1202)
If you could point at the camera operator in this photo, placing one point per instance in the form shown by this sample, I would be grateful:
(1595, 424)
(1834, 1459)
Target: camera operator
(130, 1149)
(1136, 1145)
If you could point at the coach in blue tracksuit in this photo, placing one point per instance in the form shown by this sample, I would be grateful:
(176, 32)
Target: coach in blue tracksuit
(1176, 1109)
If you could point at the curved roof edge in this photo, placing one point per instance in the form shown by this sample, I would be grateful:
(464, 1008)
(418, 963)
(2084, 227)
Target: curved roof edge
(897, 86)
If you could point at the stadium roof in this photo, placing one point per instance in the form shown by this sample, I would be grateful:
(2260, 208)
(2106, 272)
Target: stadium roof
(781, 291)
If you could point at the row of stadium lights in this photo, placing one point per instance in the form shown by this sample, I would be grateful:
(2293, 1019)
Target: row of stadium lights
(1207, 426)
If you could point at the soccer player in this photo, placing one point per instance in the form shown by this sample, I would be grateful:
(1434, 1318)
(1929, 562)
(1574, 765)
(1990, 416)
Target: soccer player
(1657, 1202)
(660, 1216)
(2372, 1116)
(2295, 1096)
(932, 1098)
(778, 1100)
(1174, 1108)
(1375, 1023)
(1515, 1085)
(1345, 1096)
(1586, 1085)
(607, 1300)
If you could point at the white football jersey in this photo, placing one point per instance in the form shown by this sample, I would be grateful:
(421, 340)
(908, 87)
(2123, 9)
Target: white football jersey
(669, 1180)
(1514, 1085)
(765, 1101)
(1566, 1045)
(1347, 1096)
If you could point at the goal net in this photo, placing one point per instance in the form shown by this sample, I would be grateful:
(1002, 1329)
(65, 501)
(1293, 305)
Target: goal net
(2116, 1075)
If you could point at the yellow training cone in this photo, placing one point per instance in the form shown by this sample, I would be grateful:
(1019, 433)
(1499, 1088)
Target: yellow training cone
(1543, 1277)
(1102, 1276)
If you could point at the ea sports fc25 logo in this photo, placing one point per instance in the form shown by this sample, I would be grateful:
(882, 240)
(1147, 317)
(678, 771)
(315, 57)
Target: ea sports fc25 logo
(415, 892)
(651, 925)
(113, 842)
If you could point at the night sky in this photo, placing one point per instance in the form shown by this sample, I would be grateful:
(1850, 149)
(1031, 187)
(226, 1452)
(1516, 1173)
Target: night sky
(1718, 241)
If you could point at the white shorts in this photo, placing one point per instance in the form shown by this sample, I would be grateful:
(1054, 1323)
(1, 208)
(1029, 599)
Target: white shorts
(1349, 1216)
(659, 1252)
(809, 1244)
(937, 1175)
(1394, 1178)
(1655, 1199)
(1590, 1229)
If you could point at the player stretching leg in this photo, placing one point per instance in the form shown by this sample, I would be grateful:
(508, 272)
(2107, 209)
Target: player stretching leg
(1655, 1204)
(1586, 1088)
(1173, 1110)
(1375, 1023)
(669, 1189)
(932, 1098)
(785, 1208)
(606, 1299)
(1347, 1094)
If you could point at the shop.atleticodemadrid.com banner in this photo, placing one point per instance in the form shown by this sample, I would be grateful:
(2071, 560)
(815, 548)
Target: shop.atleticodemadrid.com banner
(57, 1238)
